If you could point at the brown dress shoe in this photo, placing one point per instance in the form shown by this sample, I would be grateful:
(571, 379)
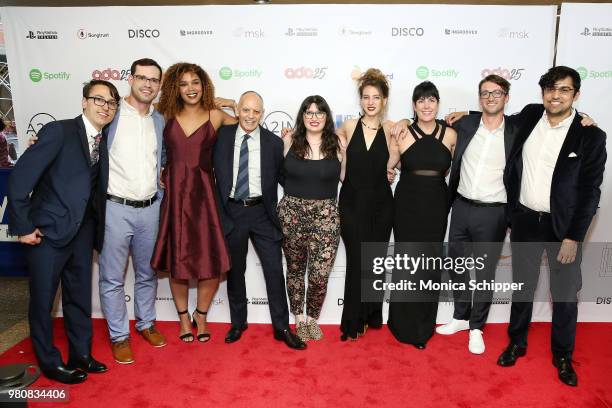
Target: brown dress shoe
(122, 352)
(155, 338)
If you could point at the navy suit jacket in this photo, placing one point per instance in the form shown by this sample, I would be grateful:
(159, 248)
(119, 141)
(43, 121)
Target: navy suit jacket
(271, 169)
(56, 171)
(466, 128)
(574, 192)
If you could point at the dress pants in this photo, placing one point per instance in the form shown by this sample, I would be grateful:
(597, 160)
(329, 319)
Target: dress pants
(535, 228)
(254, 223)
(128, 229)
(71, 265)
(475, 231)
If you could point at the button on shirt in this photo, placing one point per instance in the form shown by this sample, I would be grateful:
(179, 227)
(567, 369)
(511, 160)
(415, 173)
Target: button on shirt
(482, 166)
(133, 155)
(540, 154)
(254, 144)
(91, 132)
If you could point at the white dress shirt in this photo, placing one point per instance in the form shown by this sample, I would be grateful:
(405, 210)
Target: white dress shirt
(133, 155)
(540, 154)
(482, 166)
(91, 132)
(254, 145)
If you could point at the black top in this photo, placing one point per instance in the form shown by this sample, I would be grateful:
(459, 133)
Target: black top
(311, 179)
(423, 155)
(367, 169)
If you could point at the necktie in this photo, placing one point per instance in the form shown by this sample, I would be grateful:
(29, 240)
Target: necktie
(242, 181)
(95, 150)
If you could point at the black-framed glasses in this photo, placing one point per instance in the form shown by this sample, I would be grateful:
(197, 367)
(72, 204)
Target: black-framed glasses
(317, 114)
(563, 90)
(142, 78)
(99, 101)
(498, 93)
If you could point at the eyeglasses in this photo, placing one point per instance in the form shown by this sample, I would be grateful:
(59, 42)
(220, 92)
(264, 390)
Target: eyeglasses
(498, 93)
(310, 115)
(563, 90)
(142, 78)
(98, 101)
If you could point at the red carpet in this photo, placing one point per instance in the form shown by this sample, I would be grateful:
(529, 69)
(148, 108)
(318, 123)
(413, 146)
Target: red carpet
(376, 371)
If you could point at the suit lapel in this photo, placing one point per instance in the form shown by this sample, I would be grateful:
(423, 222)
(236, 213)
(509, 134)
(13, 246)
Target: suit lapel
(83, 137)
(470, 130)
(266, 157)
(569, 144)
(509, 135)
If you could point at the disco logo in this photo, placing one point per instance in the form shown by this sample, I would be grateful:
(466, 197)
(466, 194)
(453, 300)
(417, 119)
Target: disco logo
(37, 121)
(111, 74)
(407, 32)
(143, 33)
(305, 73)
(277, 120)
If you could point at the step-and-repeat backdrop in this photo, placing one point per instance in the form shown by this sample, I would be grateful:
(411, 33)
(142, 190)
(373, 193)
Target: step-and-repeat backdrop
(287, 53)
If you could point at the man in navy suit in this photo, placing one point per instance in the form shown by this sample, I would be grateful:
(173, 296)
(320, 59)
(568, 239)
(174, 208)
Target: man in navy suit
(58, 223)
(552, 179)
(254, 215)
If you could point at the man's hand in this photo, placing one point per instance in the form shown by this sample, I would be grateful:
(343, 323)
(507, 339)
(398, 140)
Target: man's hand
(31, 239)
(567, 252)
(453, 117)
(391, 175)
(32, 140)
(400, 130)
(161, 178)
(587, 120)
(222, 103)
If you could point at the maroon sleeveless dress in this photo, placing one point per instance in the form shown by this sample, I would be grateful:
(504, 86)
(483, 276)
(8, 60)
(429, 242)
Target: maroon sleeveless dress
(190, 242)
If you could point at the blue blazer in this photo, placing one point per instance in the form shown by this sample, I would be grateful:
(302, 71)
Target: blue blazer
(56, 171)
(576, 181)
(271, 167)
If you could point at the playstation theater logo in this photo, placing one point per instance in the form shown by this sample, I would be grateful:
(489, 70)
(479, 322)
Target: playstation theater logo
(42, 35)
(597, 32)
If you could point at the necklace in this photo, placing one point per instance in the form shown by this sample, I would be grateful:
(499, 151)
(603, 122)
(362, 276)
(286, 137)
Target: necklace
(369, 127)
(423, 134)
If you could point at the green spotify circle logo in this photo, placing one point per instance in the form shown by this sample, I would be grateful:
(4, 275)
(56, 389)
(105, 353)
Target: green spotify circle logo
(225, 73)
(422, 72)
(583, 72)
(35, 75)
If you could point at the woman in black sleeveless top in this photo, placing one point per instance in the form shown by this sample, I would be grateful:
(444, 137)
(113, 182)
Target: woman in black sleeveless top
(421, 203)
(366, 202)
(308, 212)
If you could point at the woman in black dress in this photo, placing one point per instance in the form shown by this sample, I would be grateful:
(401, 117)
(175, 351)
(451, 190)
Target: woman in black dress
(421, 211)
(366, 201)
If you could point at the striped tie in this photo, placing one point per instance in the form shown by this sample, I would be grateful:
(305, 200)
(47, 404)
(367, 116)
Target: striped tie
(242, 181)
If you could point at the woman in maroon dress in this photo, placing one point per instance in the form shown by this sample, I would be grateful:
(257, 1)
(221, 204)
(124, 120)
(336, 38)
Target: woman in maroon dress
(190, 243)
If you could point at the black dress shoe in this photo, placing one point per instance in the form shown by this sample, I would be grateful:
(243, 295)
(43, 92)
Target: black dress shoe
(566, 372)
(65, 375)
(234, 333)
(291, 339)
(511, 354)
(420, 346)
(86, 363)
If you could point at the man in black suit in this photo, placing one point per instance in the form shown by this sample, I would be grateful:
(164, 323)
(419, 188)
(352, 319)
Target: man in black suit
(58, 223)
(478, 199)
(553, 179)
(248, 162)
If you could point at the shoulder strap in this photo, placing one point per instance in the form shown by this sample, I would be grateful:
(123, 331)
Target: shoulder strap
(442, 132)
(416, 138)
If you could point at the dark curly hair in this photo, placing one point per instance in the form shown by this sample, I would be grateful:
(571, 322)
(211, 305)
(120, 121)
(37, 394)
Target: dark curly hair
(330, 144)
(374, 77)
(170, 102)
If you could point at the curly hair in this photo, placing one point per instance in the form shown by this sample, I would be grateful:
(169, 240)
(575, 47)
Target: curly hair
(170, 102)
(330, 144)
(374, 77)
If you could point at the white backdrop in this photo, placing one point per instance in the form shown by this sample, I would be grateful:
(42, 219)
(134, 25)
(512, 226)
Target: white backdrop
(285, 53)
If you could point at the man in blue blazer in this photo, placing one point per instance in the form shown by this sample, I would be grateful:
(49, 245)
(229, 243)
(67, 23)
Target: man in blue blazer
(253, 215)
(552, 179)
(53, 208)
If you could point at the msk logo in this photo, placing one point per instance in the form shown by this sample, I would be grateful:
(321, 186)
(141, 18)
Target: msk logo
(513, 74)
(305, 73)
(111, 74)
(512, 35)
(143, 33)
(242, 32)
(407, 32)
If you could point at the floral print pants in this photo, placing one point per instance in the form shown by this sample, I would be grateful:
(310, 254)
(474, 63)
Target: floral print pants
(311, 230)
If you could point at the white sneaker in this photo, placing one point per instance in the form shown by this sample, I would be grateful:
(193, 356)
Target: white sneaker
(453, 327)
(476, 345)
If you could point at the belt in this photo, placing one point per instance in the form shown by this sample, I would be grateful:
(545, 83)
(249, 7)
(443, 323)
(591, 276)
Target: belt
(526, 209)
(249, 202)
(477, 203)
(131, 203)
